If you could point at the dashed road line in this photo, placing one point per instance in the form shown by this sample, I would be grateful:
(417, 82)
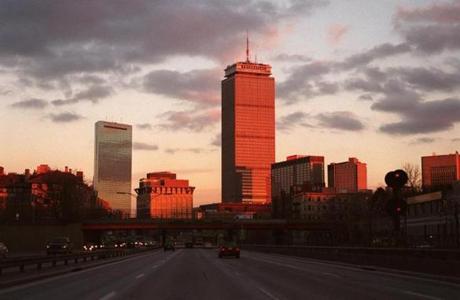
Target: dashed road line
(140, 275)
(331, 274)
(421, 295)
(271, 296)
(108, 296)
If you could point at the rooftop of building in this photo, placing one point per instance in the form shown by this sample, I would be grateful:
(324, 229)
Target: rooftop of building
(248, 67)
(295, 159)
(353, 160)
(434, 155)
(114, 125)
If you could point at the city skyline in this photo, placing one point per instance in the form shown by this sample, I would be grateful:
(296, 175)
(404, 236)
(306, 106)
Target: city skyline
(335, 65)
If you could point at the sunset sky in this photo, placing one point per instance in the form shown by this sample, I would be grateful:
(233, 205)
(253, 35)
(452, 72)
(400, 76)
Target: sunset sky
(376, 80)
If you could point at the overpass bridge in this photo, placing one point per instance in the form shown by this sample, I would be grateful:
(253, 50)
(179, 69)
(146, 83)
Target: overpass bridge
(158, 224)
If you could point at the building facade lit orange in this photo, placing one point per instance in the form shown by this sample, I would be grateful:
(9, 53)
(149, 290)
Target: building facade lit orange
(248, 132)
(162, 196)
(440, 170)
(347, 177)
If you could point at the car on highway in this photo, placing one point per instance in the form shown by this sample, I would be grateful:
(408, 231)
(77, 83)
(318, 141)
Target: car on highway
(229, 249)
(59, 245)
(89, 247)
(169, 246)
(3, 250)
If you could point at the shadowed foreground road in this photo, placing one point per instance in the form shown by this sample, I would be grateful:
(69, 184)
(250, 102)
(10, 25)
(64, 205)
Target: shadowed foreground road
(199, 274)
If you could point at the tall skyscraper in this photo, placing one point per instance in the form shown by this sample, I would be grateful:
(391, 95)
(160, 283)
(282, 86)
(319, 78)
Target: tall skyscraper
(248, 132)
(112, 165)
(440, 170)
(347, 177)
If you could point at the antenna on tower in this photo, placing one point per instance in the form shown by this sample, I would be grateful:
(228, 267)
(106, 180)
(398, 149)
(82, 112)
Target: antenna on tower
(247, 46)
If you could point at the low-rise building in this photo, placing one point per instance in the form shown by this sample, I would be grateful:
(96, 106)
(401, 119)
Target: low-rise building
(433, 218)
(347, 177)
(161, 195)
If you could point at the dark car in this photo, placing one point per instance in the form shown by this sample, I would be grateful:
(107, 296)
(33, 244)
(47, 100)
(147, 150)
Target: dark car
(3, 250)
(59, 245)
(229, 249)
(169, 246)
(189, 245)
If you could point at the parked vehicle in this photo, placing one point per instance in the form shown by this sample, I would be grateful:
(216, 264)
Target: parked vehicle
(59, 245)
(189, 245)
(3, 250)
(229, 249)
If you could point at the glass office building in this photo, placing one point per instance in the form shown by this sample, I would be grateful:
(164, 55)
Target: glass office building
(248, 132)
(112, 165)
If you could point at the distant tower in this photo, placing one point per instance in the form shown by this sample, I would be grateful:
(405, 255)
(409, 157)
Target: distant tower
(112, 164)
(248, 131)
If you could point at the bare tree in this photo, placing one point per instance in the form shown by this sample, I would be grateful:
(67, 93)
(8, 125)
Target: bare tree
(415, 177)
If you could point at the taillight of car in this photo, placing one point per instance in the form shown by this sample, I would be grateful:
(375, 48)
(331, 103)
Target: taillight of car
(237, 249)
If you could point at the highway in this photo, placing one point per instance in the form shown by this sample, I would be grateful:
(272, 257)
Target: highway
(199, 274)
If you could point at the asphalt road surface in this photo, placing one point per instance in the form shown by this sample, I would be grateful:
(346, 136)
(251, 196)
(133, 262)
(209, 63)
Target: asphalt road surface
(200, 274)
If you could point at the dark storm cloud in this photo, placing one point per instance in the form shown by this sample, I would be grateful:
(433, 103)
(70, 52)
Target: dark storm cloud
(192, 120)
(144, 126)
(93, 94)
(305, 82)
(422, 140)
(65, 117)
(366, 97)
(429, 79)
(420, 116)
(190, 150)
(378, 52)
(434, 38)
(291, 120)
(309, 80)
(217, 140)
(284, 57)
(448, 13)
(201, 86)
(432, 28)
(342, 120)
(50, 39)
(365, 85)
(144, 146)
(30, 104)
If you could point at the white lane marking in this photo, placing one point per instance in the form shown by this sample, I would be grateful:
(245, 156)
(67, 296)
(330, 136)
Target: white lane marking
(279, 264)
(421, 295)
(331, 274)
(19, 287)
(354, 268)
(140, 276)
(108, 296)
(155, 266)
(267, 293)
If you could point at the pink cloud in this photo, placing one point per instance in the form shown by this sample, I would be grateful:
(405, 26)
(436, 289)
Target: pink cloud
(335, 33)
